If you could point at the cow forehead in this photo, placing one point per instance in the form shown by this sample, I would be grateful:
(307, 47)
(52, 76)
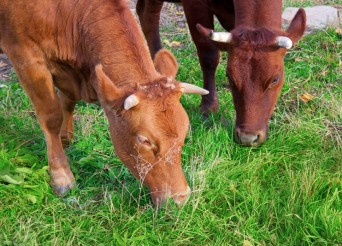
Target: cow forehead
(253, 46)
(161, 88)
(254, 70)
(161, 116)
(261, 61)
(253, 38)
(159, 109)
(169, 118)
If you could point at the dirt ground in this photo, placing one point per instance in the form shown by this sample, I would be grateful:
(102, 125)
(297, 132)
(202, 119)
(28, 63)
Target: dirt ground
(171, 15)
(5, 67)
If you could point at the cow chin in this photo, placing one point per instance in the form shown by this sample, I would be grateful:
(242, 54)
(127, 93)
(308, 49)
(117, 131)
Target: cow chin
(249, 138)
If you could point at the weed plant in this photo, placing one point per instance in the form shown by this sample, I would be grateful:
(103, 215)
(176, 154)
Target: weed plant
(286, 192)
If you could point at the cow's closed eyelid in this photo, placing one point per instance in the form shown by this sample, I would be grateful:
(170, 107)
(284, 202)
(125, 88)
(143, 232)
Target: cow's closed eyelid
(274, 81)
(143, 140)
(228, 76)
(230, 80)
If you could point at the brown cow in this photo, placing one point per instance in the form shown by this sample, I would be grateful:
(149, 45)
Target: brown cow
(256, 47)
(92, 50)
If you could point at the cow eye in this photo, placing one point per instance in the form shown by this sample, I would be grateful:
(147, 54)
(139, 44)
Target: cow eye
(275, 80)
(143, 140)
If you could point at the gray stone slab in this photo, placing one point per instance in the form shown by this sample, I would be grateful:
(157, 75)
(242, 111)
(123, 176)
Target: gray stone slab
(317, 17)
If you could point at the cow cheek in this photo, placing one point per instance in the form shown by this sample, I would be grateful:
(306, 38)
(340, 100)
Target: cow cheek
(123, 143)
(273, 97)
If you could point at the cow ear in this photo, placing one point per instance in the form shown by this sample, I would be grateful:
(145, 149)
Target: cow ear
(297, 26)
(165, 63)
(105, 87)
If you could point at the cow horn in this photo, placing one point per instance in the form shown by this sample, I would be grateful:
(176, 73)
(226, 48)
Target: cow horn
(284, 42)
(193, 89)
(224, 37)
(131, 102)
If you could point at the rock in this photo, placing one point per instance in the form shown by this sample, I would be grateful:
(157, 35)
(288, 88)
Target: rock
(317, 17)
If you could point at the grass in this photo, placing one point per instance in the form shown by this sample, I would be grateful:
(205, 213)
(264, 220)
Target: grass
(286, 192)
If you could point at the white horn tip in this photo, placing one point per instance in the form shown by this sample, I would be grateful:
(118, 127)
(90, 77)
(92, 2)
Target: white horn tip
(193, 89)
(131, 102)
(204, 92)
(284, 42)
(224, 37)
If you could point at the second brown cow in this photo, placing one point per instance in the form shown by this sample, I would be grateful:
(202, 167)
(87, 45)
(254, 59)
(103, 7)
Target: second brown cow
(256, 46)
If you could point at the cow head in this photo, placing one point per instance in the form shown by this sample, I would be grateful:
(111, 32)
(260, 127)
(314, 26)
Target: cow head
(255, 72)
(148, 126)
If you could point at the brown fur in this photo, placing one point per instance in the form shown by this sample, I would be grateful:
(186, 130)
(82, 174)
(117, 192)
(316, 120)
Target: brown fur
(94, 50)
(254, 60)
(253, 38)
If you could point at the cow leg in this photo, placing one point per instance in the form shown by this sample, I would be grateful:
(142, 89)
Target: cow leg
(67, 129)
(37, 82)
(209, 59)
(149, 14)
(208, 54)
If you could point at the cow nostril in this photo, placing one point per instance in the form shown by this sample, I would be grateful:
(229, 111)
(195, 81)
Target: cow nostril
(256, 138)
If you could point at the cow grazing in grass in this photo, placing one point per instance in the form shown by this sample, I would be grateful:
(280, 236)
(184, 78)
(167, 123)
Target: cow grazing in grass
(256, 46)
(94, 50)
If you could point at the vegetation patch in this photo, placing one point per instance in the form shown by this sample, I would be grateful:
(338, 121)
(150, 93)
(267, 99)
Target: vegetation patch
(286, 192)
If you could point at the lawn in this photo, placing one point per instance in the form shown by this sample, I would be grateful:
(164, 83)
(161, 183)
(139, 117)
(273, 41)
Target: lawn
(286, 192)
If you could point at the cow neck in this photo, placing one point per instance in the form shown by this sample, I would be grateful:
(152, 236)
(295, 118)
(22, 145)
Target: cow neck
(115, 40)
(258, 14)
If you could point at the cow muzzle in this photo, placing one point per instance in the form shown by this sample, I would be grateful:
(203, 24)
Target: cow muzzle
(180, 198)
(250, 138)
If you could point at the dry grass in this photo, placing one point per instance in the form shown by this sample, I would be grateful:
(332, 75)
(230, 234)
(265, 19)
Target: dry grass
(313, 2)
